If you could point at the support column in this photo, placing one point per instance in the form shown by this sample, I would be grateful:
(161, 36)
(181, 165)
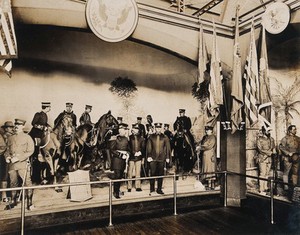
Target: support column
(234, 160)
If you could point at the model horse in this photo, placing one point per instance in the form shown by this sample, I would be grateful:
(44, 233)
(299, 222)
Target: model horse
(107, 127)
(183, 151)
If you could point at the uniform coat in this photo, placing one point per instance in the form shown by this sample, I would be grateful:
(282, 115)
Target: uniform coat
(208, 148)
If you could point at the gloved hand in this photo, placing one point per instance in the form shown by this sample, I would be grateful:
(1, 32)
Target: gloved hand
(138, 154)
(149, 159)
(168, 160)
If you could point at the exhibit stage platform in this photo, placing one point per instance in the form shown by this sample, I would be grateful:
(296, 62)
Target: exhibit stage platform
(57, 209)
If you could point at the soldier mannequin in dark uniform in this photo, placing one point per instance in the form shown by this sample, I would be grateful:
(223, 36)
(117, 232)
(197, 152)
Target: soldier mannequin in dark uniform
(8, 129)
(137, 154)
(158, 152)
(186, 125)
(120, 154)
(69, 112)
(39, 127)
(149, 125)
(141, 127)
(85, 117)
(170, 135)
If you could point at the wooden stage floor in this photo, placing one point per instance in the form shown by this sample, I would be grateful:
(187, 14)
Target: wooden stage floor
(207, 221)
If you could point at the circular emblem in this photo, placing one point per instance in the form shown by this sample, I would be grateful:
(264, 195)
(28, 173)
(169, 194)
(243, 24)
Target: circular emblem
(276, 17)
(112, 20)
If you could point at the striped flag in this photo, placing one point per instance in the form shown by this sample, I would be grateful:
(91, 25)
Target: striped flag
(237, 89)
(252, 85)
(202, 56)
(216, 77)
(265, 106)
(8, 43)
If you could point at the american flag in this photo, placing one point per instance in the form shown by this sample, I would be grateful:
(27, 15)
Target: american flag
(265, 106)
(202, 56)
(8, 43)
(237, 89)
(252, 84)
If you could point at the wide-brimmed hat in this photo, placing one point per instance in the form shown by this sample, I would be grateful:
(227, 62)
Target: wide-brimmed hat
(8, 124)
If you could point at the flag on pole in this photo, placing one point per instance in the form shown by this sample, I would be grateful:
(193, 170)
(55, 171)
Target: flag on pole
(265, 106)
(252, 85)
(202, 56)
(8, 42)
(216, 77)
(237, 89)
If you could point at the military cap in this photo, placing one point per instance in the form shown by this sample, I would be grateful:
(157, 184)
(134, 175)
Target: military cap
(8, 124)
(46, 104)
(123, 126)
(166, 125)
(139, 118)
(158, 125)
(119, 118)
(19, 122)
(69, 104)
(135, 126)
(88, 106)
(208, 128)
(181, 110)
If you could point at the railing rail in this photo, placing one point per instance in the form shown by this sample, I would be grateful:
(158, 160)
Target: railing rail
(175, 178)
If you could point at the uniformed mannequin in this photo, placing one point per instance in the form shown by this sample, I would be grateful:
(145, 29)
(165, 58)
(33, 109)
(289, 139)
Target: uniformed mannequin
(265, 148)
(8, 129)
(137, 154)
(39, 127)
(158, 152)
(290, 148)
(68, 111)
(20, 147)
(141, 127)
(186, 125)
(120, 153)
(85, 117)
(208, 146)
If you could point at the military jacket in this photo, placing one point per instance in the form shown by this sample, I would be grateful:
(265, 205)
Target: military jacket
(136, 144)
(61, 116)
(40, 119)
(122, 144)
(290, 144)
(85, 119)
(265, 146)
(158, 147)
(186, 121)
(21, 146)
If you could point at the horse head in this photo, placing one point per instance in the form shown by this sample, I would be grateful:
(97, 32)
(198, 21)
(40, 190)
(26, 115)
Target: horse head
(179, 125)
(104, 123)
(67, 124)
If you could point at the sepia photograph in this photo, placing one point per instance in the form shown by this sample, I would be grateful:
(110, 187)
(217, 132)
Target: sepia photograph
(149, 117)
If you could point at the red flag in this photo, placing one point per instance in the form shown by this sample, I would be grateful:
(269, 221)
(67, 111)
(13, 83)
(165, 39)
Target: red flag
(264, 92)
(8, 43)
(202, 56)
(237, 89)
(252, 85)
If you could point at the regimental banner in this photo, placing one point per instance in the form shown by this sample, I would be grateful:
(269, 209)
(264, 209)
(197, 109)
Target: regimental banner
(112, 20)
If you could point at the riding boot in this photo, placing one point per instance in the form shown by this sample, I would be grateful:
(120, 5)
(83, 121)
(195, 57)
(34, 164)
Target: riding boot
(29, 199)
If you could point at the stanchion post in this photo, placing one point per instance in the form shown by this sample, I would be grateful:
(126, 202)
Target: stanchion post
(225, 189)
(175, 194)
(23, 211)
(110, 204)
(272, 201)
